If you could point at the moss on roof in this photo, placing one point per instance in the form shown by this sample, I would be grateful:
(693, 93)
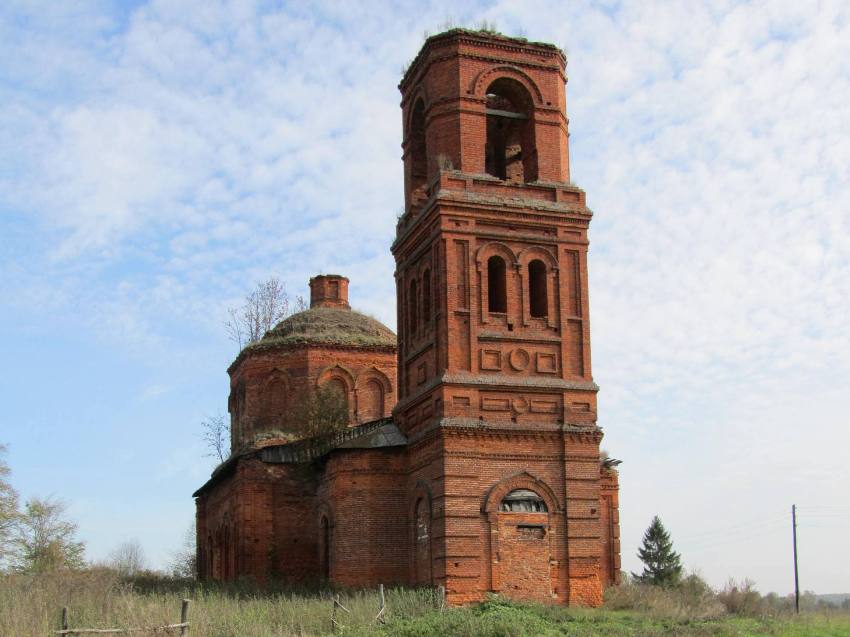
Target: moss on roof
(329, 326)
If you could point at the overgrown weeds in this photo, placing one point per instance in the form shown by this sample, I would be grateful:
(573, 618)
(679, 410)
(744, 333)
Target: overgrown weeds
(99, 598)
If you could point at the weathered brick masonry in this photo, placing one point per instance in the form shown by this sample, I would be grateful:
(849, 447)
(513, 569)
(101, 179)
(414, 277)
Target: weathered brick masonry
(472, 460)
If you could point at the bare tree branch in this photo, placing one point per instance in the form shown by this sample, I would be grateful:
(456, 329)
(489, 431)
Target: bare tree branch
(216, 435)
(264, 307)
(128, 558)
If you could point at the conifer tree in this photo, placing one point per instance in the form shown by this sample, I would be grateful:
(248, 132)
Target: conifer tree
(662, 565)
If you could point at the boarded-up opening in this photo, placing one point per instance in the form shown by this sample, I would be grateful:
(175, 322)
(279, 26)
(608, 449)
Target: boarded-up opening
(371, 399)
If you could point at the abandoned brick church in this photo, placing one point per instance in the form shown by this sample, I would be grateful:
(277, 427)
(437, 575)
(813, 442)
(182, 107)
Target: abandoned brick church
(472, 458)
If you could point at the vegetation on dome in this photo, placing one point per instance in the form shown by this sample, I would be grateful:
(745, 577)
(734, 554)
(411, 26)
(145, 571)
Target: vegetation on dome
(328, 326)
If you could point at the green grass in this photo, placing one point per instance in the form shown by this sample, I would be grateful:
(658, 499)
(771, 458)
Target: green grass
(31, 606)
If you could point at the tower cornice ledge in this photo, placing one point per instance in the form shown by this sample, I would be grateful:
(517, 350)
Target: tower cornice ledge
(468, 379)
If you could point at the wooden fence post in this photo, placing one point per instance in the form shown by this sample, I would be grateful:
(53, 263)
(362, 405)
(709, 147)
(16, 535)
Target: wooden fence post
(184, 618)
(383, 608)
(64, 618)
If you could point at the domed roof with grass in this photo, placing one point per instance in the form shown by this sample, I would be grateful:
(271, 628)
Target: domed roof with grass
(330, 326)
(329, 321)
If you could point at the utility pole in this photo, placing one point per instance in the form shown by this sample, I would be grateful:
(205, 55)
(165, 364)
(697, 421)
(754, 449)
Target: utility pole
(796, 577)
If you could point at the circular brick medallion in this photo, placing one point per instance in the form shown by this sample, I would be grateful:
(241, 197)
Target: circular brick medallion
(519, 359)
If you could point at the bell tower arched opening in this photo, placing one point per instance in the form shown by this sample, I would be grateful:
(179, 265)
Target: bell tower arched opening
(510, 152)
(418, 147)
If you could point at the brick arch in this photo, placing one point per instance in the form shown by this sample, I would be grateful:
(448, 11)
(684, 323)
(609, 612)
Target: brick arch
(339, 372)
(528, 254)
(523, 480)
(495, 248)
(486, 78)
(421, 93)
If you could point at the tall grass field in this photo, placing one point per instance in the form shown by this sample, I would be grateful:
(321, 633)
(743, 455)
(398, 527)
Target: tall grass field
(30, 606)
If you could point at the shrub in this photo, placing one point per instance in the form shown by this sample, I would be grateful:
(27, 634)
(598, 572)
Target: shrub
(742, 598)
(691, 599)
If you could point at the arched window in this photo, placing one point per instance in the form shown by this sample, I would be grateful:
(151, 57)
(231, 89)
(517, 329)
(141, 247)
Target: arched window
(412, 304)
(371, 401)
(422, 539)
(325, 555)
(418, 149)
(497, 288)
(523, 501)
(510, 152)
(426, 297)
(537, 293)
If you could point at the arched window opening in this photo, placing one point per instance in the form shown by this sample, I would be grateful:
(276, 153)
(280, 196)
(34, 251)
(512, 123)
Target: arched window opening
(326, 549)
(371, 400)
(210, 557)
(497, 288)
(422, 538)
(412, 304)
(426, 298)
(226, 571)
(537, 293)
(418, 149)
(510, 152)
(523, 501)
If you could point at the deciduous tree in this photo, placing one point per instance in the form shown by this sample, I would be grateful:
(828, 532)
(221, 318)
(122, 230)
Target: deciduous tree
(662, 565)
(184, 561)
(44, 540)
(128, 558)
(8, 508)
(264, 307)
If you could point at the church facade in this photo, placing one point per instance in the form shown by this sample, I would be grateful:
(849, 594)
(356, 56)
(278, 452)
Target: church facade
(472, 457)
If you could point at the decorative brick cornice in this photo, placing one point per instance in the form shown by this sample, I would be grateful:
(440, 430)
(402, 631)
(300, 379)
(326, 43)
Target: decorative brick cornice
(478, 38)
(265, 348)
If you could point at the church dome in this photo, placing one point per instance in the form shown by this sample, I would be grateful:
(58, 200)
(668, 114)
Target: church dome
(330, 326)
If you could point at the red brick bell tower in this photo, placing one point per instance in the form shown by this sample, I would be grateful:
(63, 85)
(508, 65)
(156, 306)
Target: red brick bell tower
(495, 389)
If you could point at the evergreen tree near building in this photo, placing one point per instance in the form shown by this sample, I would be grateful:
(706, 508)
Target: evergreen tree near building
(662, 565)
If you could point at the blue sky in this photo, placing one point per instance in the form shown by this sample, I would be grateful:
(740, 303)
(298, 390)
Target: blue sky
(160, 158)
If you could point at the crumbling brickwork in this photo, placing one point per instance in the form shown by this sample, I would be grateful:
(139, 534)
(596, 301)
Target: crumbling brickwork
(473, 459)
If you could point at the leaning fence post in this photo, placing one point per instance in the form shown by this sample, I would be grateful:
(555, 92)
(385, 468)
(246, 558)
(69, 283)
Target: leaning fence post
(383, 608)
(64, 618)
(441, 593)
(184, 618)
